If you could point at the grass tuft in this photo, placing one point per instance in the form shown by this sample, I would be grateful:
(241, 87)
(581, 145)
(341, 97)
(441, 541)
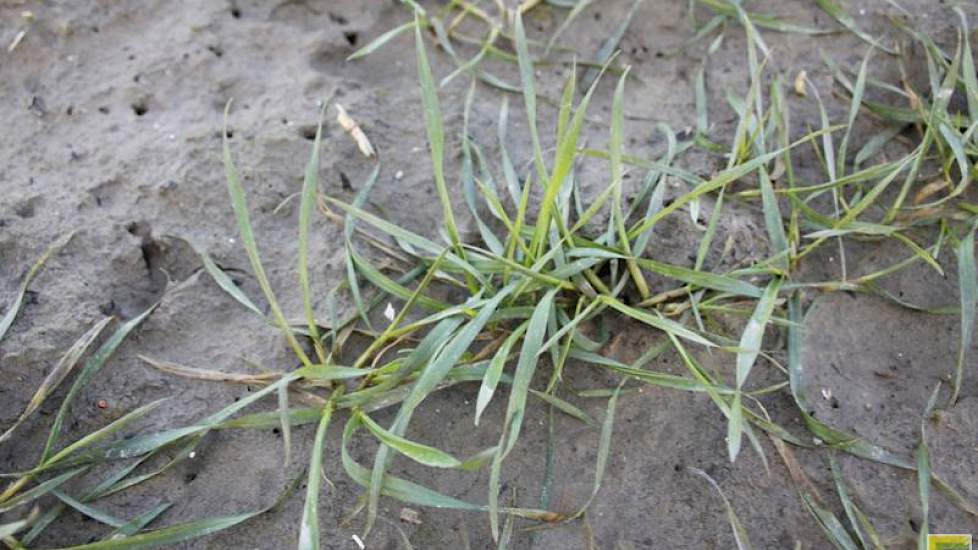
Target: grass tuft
(523, 309)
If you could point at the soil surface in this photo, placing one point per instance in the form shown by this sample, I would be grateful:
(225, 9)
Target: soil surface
(112, 128)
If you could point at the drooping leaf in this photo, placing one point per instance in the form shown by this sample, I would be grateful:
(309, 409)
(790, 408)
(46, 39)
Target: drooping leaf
(57, 375)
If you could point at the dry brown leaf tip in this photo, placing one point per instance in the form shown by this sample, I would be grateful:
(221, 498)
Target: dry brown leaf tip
(800, 81)
(351, 127)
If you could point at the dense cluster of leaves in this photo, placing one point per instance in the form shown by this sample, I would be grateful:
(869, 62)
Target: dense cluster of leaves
(537, 288)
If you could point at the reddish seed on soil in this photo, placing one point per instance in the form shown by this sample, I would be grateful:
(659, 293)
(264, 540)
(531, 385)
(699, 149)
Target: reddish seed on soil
(102, 404)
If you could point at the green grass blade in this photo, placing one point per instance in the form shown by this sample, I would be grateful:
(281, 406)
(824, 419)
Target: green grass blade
(40, 490)
(507, 535)
(57, 375)
(713, 391)
(575, 11)
(310, 185)
(942, 94)
(563, 163)
(452, 351)
(857, 98)
(240, 206)
(349, 223)
(718, 181)
(495, 371)
(968, 290)
(468, 180)
(14, 308)
(529, 94)
(395, 487)
(445, 349)
(772, 216)
(608, 47)
(547, 483)
(569, 326)
(309, 528)
(920, 252)
(839, 14)
(649, 377)
(509, 172)
(874, 145)
(332, 372)
(750, 340)
(420, 453)
(226, 283)
(389, 285)
(968, 73)
(525, 368)
(740, 534)
(870, 540)
(828, 144)
(750, 347)
(956, 142)
(729, 8)
(704, 279)
(168, 535)
(284, 424)
(88, 511)
(566, 102)
(9, 529)
(497, 210)
(142, 444)
(469, 66)
(103, 433)
(666, 325)
(443, 38)
(711, 228)
(139, 522)
(616, 151)
(565, 407)
(99, 491)
(702, 109)
(436, 136)
(89, 370)
(379, 42)
(657, 194)
(596, 204)
(394, 329)
(924, 473)
(831, 526)
(830, 436)
(409, 237)
(604, 447)
(516, 235)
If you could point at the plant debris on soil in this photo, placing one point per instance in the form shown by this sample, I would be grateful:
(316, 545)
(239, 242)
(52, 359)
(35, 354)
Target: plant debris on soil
(555, 274)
